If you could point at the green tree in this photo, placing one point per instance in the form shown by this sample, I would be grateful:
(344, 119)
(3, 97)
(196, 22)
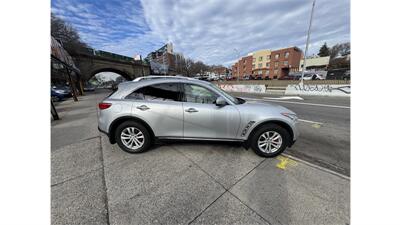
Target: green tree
(324, 50)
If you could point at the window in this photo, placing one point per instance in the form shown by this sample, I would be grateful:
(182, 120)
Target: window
(267, 72)
(285, 63)
(286, 55)
(198, 94)
(260, 58)
(254, 66)
(275, 77)
(268, 56)
(267, 65)
(276, 64)
(157, 92)
(259, 65)
(275, 72)
(277, 56)
(259, 72)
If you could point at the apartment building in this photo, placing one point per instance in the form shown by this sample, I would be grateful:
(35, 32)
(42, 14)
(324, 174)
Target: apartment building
(272, 64)
(315, 63)
(243, 67)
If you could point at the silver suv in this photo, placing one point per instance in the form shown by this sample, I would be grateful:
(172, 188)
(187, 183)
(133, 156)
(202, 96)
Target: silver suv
(153, 108)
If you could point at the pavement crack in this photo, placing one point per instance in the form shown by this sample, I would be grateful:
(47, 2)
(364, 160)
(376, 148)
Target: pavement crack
(105, 184)
(75, 177)
(199, 167)
(250, 208)
(207, 207)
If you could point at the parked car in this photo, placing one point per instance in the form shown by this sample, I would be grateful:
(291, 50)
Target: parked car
(145, 110)
(56, 96)
(346, 75)
(312, 76)
(89, 88)
(60, 93)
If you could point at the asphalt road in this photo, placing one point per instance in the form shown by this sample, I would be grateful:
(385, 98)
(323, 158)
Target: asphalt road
(324, 129)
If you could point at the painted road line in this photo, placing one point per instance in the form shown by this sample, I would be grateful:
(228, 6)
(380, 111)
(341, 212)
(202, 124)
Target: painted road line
(309, 121)
(312, 104)
(285, 98)
(316, 166)
(299, 103)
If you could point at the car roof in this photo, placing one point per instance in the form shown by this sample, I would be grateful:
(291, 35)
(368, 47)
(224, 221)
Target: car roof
(127, 87)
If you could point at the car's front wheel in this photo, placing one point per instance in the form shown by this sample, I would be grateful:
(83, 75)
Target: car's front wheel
(270, 140)
(132, 137)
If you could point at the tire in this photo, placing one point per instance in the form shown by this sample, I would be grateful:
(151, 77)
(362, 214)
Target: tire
(129, 129)
(272, 129)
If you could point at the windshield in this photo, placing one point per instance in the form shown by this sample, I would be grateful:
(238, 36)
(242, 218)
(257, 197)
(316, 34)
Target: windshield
(228, 96)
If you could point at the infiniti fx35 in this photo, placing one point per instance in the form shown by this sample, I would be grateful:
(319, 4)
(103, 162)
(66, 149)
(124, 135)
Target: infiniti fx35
(152, 108)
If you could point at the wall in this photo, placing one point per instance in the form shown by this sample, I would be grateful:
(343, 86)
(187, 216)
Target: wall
(243, 88)
(318, 89)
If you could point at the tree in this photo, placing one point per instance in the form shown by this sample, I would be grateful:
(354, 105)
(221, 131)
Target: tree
(67, 35)
(324, 50)
(345, 50)
(340, 49)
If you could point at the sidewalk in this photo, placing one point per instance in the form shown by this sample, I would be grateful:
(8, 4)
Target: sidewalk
(94, 182)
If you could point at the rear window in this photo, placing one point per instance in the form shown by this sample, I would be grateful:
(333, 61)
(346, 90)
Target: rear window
(157, 92)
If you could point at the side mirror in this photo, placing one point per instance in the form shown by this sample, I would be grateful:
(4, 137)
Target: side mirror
(220, 101)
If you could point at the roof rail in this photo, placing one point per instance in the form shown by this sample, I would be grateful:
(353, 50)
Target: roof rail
(161, 77)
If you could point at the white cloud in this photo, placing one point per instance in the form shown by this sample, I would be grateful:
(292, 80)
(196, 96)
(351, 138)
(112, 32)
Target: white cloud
(209, 30)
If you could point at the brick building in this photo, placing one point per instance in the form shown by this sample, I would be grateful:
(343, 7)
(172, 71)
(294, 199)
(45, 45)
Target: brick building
(243, 67)
(220, 70)
(266, 63)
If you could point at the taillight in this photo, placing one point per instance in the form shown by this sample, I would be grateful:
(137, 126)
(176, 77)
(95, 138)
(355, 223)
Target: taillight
(103, 105)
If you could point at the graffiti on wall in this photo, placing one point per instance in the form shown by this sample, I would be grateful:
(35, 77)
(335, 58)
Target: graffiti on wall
(243, 88)
(318, 89)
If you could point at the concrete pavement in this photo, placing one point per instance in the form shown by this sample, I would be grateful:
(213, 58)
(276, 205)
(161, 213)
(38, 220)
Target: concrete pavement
(94, 182)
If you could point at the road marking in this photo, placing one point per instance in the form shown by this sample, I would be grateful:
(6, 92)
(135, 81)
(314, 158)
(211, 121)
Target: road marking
(312, 104)
(300, 103)
(316, 125)
(316, 166)
(309, 121)
(285, 161)
(285, 98)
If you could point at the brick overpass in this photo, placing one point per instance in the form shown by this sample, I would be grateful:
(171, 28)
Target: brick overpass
(93, 61)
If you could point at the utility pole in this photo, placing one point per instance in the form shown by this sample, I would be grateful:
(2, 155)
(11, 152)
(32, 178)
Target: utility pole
(308, 40)
(237, 69)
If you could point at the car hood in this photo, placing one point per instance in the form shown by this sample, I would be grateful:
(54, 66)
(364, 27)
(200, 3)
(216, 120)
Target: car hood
(255, 106)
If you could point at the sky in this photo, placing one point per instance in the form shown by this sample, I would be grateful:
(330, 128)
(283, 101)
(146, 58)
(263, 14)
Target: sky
(206, 30)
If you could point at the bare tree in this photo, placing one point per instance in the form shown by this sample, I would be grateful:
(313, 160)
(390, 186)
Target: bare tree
(67, 35)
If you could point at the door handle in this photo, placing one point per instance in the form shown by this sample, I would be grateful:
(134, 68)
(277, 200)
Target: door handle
(143, 107)
(191, 110)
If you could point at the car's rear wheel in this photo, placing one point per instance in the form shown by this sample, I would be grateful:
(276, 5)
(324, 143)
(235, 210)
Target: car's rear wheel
(270, 140)
(132, 137)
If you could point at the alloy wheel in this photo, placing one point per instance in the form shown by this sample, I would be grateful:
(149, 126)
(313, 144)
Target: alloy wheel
(269, 142)
(132, 138)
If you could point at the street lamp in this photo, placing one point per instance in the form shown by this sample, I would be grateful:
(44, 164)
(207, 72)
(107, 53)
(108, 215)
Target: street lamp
(238, 56)
(308, 40)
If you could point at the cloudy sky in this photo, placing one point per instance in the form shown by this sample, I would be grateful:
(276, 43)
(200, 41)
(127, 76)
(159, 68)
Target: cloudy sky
(207, 30)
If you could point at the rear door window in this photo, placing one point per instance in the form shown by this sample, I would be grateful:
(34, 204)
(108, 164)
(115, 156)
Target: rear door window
(157, 92)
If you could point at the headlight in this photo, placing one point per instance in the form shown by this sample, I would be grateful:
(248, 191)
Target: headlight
(59, 92)
(291, 116)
